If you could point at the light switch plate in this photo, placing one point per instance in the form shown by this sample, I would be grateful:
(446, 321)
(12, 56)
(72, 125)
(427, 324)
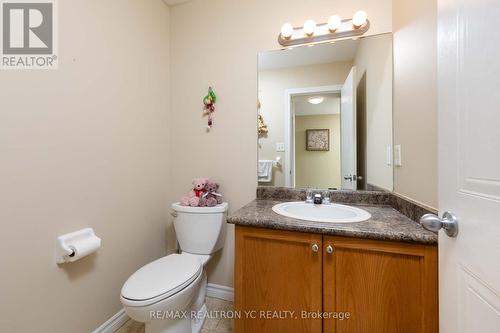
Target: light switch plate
(280, 146)
(397, 155)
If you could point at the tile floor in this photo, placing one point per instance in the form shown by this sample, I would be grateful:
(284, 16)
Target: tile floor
(211, 325)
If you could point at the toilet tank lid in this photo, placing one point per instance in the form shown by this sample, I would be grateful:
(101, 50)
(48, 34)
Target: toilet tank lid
(221, 208)
(162, 277)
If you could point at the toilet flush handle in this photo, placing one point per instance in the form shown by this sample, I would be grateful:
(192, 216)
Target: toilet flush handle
(174, 214)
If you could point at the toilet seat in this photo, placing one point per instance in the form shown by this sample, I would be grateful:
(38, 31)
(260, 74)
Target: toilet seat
(160, 279)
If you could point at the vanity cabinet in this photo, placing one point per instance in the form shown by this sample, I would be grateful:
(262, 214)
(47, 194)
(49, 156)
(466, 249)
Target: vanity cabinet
(277, 272)
(385, 286)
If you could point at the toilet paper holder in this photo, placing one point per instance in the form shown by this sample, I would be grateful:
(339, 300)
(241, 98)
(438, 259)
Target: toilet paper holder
(75, 245)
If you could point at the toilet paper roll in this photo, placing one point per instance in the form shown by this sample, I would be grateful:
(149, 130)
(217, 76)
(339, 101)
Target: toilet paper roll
(83, 247)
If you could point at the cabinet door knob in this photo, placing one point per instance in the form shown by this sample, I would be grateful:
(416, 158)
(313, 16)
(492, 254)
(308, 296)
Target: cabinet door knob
(315, 247)
(329, 249)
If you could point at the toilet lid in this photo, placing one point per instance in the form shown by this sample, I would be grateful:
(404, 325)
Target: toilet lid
(165, 276)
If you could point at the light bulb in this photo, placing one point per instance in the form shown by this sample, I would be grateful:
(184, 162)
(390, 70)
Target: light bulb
(309, 27)
(286, 30)
(359, 18)
(334, 22)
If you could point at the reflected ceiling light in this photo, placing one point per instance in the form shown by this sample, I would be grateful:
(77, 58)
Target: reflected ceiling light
(359, 18)
(335, 28)
(286, 30)
(309, 27)
(316, 99)
(334, 22)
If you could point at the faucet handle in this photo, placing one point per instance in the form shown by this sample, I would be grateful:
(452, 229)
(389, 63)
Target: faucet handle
(309, 195)
(326, 197)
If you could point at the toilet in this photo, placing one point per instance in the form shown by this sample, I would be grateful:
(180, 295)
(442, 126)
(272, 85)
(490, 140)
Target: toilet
(168, 294)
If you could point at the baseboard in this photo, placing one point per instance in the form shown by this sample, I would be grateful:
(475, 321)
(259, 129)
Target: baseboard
(113, 323)
(120, 318)
(222, 292)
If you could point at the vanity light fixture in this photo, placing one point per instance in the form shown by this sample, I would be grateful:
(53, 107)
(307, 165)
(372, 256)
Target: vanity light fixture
(335, 28)
(316, 100)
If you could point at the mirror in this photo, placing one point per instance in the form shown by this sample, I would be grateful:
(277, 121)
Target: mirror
(325, 115)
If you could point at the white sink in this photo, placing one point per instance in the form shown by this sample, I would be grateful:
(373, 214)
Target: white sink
(333, 213)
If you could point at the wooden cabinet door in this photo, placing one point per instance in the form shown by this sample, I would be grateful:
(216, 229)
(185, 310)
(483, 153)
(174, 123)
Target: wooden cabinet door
(277, 271)
(386, 287)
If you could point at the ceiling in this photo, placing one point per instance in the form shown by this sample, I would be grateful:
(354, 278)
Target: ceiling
(331, 105)
(343, 50)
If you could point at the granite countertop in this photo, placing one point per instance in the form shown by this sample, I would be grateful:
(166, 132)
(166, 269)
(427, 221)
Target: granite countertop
(386, 223)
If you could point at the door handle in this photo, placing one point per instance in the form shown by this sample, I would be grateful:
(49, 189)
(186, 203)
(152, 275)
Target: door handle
(448, 222)
(352, 177)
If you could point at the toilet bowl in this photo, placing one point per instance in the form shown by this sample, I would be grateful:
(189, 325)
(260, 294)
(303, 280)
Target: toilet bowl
(168, 294)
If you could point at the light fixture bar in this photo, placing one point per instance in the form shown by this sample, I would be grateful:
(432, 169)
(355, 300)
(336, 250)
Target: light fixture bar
(323, 33)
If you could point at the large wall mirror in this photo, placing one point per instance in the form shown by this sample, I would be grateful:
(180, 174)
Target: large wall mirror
(325, 115)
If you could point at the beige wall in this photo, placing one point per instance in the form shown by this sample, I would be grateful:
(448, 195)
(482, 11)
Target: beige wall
(84, 145)
(415, 99)
(319, 169)
(210, 47)
(272, 87)
(373, 63)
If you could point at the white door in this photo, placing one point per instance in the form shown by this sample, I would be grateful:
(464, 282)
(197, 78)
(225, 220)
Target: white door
(348, 132)
(292, 147)
(469, 164)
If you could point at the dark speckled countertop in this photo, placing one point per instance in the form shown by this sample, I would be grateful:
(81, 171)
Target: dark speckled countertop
(386, 223)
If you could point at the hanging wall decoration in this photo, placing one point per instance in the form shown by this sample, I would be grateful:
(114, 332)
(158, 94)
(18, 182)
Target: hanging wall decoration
(262, 129)
(318, 139)
(262, 126)
(209, 106)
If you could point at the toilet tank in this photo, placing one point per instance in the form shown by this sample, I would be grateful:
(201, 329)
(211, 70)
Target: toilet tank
(200, 230)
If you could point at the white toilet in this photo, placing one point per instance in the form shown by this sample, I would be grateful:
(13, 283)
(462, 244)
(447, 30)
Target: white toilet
(165, 293)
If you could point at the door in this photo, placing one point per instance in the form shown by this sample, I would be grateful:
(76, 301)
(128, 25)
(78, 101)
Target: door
(348, 132)
(469, 165)
(289, 166)
(292, 147)
(385, 287)
(277, 271)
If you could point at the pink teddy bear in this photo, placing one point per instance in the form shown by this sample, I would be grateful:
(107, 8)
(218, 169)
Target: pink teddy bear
(193, 197)
(211, 198)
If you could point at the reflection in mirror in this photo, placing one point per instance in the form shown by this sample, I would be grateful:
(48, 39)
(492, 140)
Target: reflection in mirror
(327, 112)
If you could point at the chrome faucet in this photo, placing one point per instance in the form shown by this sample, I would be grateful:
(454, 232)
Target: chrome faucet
(317, 197)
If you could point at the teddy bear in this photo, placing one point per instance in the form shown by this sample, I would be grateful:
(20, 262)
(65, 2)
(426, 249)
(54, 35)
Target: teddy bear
(210, 198)
(193, 197)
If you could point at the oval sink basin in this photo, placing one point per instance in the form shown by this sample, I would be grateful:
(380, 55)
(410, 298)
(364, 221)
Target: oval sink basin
(333, 213)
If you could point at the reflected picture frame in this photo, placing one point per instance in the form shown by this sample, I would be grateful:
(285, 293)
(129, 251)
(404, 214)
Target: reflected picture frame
(318, 139)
